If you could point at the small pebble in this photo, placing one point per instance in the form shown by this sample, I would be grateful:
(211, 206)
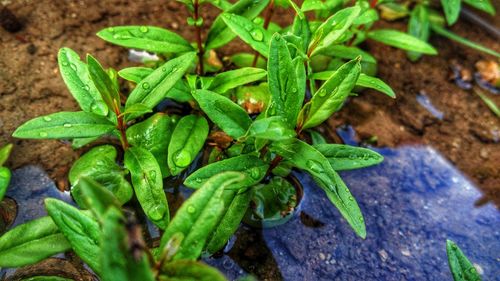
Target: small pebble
(322, 256)
(383, 255)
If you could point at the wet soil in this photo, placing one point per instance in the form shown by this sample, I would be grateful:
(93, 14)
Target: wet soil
(30, 84)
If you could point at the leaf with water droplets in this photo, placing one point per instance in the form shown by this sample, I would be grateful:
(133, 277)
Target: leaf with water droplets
(347, 52)
(65, 125)
(148, 185)
(249, 165)
(99, 164)
(154, 88)
(419, 26)
(331, 95)
(363, 81)
(116, 258)
(198, 215)
(229, 116)
(75, 74)
(219, 33)
(231, 79)
(461, 268)
(4, 153)
(149, 38)
(346, 157)
(401, 40)
(187, 140)
(31, 242)
(235, 206)
(283, 82)
(305, 157)
(183, 270)
(153, 134)
(251, 33)
(275, 128)
(333, 29)
(81, 231)
(98, 198)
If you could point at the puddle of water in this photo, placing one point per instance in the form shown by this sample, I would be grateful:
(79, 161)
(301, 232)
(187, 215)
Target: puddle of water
(425, 101)
(411, 203)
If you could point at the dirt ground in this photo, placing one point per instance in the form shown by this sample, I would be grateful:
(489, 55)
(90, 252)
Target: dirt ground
(30, 84)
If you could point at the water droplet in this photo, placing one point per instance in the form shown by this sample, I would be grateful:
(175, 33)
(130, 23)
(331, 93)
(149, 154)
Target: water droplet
(43, 134)
(257, 35)
(315, 166)
(257, 20)
(351, 198)
(67, 125)
(111, 29)
(174, 69)
(360, 218)
(73, 66)
(145, 85)
(64, 63)
(163, 69)
(47, 118)
(198, 180)
(294, 90)
(255, 173)
(86, 87)
(322, 93)
(182, 158)
(191, 209)
(99, 163)
(143, 29)
(99, 107)
(152, 175)
(156, 213)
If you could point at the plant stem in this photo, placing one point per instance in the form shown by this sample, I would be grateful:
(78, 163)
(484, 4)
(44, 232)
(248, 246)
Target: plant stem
(201, 51)
(122, 127)
(267, 21)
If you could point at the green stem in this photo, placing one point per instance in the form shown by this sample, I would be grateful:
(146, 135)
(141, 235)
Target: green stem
(201, 51)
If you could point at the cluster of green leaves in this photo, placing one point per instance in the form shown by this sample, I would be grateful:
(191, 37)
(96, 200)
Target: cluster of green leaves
(5, 173)
(297, 78)
(424, 19)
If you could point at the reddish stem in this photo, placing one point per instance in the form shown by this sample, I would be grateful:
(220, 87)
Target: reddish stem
(122, 127)
(267, 21)
(373, 3)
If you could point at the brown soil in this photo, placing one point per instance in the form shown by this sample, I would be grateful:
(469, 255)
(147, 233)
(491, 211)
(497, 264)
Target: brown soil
(30, 84)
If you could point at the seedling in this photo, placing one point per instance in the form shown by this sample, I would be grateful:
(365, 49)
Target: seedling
(253, 144)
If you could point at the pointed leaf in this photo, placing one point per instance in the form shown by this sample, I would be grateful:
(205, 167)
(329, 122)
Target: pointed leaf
(461, 268)
(187, 140)
(65, 125)
(97, 197)
(306, 157)
(103, 83)
(5, 152)
(419, 26)
(148, 185)
(5, 176)
(250, 166)
(271, 128)
(31, 242)
(401, 40)
(183, 270)
(231, 79)
(346, 157)
(483, 5)
(451, 10)
(198, 215)
(149, 38)
(81, 231)
(152, 89)
(229, 116)
(135, 74)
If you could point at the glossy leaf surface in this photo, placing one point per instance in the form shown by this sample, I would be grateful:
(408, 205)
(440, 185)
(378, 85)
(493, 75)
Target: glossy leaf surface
(401, 40)
(251, 33)
(234, 78)
(346, 157)
(461, 268)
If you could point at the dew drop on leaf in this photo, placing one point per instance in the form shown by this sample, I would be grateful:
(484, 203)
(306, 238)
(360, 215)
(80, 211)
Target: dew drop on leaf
(67, 125)
(152, 175)
(322, 93)
(255, 173)
(314, 165)
(182, 158)
(47, 118)
(86, 87)
(143, 29)
(199, 180)
(257, 20)
(361, 219)
(145, 85)
(156, 213)
(257, 35)
(43, 134)
(111, 29)
(351, 198)
(191, 209)
(73, 66)
(64, 63)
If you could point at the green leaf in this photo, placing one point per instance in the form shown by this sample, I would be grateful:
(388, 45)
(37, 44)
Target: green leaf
(346, 52)
(346, 157)
(135, 111)
(401, 40)
(483, 5)
(451, 10)
(273, 128)
(31, 242)
(149, 38)
(363, 81)
(46, 278)
(219, 34)
(198, 215)
(5, 176)
(331, 31)
(305, 157)
(79, 143)
(148, 185)
(99, 164)
(235, 206)
(4, 153)
(317, 138)
(231, 79)
(450, 35)
(286, 99)
(332, 94)
(419, 26)
(187, 140)
(251, 33)
(97, 197)
(229, 116)
(116, 259)
(75, 74)
(81, 231)
(489, 102)
(247, 59)
(152, 89)
(300, 28)
(135, 74)
(252, 168)
(104, 84)
(183, 270)
(154, 135)
(65, 125)
(461, 268)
